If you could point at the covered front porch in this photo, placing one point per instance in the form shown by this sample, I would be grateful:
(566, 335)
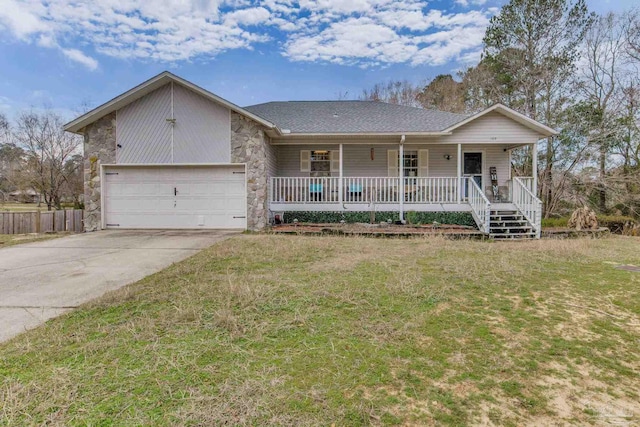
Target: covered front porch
(474, 178)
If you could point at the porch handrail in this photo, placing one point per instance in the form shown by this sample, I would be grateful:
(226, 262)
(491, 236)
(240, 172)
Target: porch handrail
(527, 181)
(370, 189)
(480, 205)
(528, 204)
(432, 189)
(304, 190)
(378, 190)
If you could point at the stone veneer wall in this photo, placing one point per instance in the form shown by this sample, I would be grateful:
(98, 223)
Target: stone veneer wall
(99, 148)
(250, 145)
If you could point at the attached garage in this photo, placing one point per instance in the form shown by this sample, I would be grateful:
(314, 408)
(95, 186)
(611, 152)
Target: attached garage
(168, 154)
(174, 196)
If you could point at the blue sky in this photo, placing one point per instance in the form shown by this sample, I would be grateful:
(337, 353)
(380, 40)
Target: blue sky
(68, 55)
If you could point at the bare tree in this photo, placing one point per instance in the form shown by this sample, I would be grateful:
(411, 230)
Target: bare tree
(598, 83)
(633, 34)
(401, 92)
(5, 130)
(10, 160)
(48, 149)
(73, 186)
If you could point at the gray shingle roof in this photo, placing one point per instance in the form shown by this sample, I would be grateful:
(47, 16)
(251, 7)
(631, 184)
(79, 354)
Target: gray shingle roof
(353, 117)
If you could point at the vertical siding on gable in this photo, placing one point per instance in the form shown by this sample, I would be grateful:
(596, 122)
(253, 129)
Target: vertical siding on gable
(143, 133)
(202, 133)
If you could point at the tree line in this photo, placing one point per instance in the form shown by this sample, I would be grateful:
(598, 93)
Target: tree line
(571, 69)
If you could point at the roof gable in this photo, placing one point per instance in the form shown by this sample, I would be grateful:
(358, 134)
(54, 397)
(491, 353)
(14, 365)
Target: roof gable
(510, 113)
(147, 87)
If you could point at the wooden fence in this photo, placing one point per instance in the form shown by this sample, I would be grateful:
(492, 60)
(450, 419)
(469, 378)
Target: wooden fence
(42, 222)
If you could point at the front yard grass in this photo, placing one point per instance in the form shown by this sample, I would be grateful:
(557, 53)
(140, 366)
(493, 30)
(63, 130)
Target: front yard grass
(288, 330)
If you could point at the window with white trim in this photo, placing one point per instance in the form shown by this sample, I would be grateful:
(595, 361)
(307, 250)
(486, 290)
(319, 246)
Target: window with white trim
(410, 163)
(320, 163)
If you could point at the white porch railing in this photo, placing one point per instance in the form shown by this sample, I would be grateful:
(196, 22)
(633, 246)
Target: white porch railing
(528, 204)
(480, 206)
(528, 182)
(378, 190)
(431, 190)
(365, 190)
(305, 190)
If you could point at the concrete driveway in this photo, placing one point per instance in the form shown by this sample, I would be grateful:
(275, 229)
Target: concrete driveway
(42, 280)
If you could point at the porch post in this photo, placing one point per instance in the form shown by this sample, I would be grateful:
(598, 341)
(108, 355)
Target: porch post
(340, 188)
(459, 157)
(534, 167)
(401, 176)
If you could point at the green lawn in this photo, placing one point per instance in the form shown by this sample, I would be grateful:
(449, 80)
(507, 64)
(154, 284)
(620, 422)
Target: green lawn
(289, 330)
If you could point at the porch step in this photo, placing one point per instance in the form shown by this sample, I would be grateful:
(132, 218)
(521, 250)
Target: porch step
(520, 236)
(509, 224)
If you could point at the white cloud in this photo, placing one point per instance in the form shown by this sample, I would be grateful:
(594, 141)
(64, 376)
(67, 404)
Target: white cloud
(373, 32)
(81, 58)
(251, 16)
(20, 20)
(466, 3)
(357, 32)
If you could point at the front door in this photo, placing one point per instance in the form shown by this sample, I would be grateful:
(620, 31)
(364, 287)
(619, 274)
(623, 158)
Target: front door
(472, 168)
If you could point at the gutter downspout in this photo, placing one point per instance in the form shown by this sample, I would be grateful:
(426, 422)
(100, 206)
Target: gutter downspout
(340, 181)
(459, 167)
(401, 176)
(534, 168)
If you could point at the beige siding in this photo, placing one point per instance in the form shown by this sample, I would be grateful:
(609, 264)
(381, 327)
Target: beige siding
(357, 159)
(493, 128)
(289, 158)
(142, 132)
(201, 133)
(272, 159)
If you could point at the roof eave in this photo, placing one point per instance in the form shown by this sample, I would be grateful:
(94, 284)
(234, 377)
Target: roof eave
(360, 134)
(77, 125)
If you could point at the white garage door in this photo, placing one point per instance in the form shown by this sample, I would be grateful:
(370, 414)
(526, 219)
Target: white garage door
(174, 197)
